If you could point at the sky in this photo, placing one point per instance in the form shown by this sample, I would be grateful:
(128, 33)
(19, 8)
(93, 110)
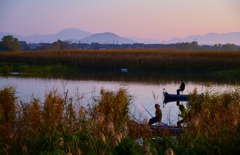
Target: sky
(149, 19)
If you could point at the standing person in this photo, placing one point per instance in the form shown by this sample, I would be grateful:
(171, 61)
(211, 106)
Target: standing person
(181, 88)
(183, 115)
(158, 116)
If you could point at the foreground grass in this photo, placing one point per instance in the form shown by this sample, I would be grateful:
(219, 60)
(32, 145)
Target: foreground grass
(62, 125)
(143, 60)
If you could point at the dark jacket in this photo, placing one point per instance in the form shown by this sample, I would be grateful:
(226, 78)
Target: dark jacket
(182, 86)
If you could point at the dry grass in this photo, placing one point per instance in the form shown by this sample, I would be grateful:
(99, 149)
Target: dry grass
(61, 125)
(133, 59)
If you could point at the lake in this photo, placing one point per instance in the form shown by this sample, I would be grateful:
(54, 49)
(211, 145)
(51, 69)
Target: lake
(146, 92)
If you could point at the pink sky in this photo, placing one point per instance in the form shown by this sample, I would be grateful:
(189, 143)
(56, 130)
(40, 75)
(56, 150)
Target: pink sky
(149, 19)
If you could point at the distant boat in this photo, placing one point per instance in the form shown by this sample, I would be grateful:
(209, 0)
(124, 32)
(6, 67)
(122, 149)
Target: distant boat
(124, 70)
(174, 97)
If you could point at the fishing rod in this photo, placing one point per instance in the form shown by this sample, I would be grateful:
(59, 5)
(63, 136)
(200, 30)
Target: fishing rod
(146, 109)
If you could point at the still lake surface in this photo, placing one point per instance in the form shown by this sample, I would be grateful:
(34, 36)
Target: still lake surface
(145, 91)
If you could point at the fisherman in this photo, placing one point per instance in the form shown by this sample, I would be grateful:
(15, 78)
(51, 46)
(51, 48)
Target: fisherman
(158, 116)
(183, 114)
(181, 88)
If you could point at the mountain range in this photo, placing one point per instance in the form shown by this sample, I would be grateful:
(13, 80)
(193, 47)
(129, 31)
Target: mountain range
(211, 38)
(76, 36)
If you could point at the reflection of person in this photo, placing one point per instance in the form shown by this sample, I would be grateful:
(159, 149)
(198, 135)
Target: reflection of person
(158, 116)
(181, 88)
(183, 115)
(178, 103)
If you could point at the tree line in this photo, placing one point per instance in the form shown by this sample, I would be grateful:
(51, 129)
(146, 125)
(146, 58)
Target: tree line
(10, 43)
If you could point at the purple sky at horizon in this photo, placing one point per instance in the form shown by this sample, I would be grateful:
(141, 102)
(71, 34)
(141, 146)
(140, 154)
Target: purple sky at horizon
(155, 19)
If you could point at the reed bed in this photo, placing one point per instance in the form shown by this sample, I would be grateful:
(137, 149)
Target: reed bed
(62, 125)
(213, 126)
(145, 60)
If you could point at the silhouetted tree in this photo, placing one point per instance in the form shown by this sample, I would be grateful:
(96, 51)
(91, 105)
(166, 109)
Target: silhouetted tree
(231, 47)
(56, 45)
(64, 44)
(188, 46)
(9, 43)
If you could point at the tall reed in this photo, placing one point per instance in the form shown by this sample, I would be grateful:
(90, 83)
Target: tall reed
(133, 59)
(62, 125)
(59, 125)
(213, 126)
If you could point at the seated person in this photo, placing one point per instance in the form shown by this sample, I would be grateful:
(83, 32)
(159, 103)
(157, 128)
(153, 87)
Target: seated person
(183, 115)
(158, 116)
(181, 88)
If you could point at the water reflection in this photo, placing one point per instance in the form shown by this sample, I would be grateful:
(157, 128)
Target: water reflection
(146, 90)
(170, 101)
(138, 77)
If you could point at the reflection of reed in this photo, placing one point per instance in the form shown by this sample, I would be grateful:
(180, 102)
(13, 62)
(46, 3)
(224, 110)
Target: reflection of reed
(137, 77)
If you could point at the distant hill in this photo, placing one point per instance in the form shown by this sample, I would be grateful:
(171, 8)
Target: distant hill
(106, 38)
(211, 38)
(76, 35)
(65, 34)
(6, 33)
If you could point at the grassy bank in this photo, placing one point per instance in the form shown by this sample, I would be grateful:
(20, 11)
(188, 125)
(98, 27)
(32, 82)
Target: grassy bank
(62, 125)
(135, 60)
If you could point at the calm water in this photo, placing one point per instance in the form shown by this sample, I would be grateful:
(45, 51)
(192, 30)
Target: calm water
(146, 92)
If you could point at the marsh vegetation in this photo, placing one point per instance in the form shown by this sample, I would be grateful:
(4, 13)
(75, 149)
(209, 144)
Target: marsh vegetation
(135, 60)
(62, 125)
